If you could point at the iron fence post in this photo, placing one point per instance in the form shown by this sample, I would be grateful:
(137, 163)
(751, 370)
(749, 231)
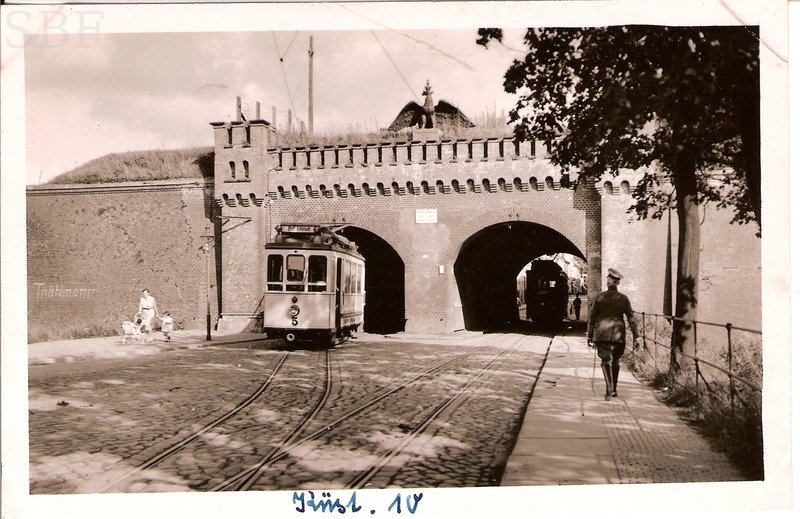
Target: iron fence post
(728, 327)
(644, 333)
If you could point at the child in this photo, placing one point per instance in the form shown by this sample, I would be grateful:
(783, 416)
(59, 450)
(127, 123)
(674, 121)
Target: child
(166, 325)
(137, 320)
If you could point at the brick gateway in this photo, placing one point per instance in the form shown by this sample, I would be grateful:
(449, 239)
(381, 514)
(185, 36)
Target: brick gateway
(445, 226)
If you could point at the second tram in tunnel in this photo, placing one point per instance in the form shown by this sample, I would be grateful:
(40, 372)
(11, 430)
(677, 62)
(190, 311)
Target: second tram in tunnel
(314, 285)
(546, 293)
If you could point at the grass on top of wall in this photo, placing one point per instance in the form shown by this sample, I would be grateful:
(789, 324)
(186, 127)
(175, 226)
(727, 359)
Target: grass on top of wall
(143, 165)
(199, 162)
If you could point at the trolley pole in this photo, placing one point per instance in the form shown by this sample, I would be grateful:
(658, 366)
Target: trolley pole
(311, 85)
(206, 251)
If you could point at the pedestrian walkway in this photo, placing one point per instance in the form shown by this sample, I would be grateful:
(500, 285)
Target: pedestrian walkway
(68, 350)
(571, 435)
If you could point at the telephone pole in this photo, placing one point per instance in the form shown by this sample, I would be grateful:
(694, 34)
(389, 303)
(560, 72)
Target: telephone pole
(311, 85)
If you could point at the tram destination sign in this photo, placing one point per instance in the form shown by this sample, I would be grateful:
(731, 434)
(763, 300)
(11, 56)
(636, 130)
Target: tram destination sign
(298, 228)
(427, 216)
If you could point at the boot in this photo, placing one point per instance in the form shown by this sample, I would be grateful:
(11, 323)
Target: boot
(614, 377)
(609, 381)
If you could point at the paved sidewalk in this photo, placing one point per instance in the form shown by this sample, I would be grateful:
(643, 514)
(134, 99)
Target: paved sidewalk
(571, 435)
(68, 350)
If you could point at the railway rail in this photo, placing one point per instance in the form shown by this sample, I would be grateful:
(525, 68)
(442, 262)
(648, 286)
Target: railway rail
(234, 438)
(177, 447)
(366, 476)
(248, 477)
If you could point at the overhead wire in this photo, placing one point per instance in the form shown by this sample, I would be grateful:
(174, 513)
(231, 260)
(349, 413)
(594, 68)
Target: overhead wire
(413, 92)
(429, 46)
(283, 71)
(290, 45)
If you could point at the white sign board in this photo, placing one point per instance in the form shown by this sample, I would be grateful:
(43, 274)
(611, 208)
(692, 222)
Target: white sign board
(427, 215)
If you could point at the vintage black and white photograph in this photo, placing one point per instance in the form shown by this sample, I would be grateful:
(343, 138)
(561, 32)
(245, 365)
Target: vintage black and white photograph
(378, 259)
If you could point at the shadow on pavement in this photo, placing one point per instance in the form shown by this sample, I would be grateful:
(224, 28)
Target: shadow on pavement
(568, 327)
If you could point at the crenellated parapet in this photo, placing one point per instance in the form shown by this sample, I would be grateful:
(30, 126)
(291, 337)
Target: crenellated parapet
(624, 183)
(249, 168)
(343, 189)
(301, 187)
(400, 153)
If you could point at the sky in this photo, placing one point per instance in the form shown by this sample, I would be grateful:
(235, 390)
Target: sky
(88, 95)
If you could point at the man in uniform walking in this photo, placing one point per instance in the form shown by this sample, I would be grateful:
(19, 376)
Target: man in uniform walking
(606, 330)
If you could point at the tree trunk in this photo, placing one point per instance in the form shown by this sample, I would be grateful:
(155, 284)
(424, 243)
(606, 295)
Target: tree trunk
(688, 276)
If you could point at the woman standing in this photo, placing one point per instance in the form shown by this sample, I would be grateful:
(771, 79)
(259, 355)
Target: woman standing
(149, 311)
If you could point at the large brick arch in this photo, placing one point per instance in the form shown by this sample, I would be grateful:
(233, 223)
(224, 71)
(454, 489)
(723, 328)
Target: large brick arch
(571, 226)
(349, 211)
(390, 234)
(487, 265)
(384, 282)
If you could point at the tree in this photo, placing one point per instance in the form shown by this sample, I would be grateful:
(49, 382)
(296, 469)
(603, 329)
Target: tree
(679, 103)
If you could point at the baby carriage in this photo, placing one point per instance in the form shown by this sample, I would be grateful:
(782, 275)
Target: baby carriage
(132, 330)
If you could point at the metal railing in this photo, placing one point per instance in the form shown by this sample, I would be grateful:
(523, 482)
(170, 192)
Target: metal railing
(729, 370)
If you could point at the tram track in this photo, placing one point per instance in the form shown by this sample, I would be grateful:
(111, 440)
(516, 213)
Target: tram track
(363, 479)
(294, 439)
(180, 445)
(247, 478)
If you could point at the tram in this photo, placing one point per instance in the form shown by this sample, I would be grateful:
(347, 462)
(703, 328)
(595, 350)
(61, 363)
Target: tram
(546, 293)
(314, 285)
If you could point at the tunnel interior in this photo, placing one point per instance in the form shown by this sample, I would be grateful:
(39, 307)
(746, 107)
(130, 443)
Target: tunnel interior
(488, 264)
(384, 305)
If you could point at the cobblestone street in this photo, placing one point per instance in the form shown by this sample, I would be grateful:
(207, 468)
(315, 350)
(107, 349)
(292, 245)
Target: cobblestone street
(371, 413)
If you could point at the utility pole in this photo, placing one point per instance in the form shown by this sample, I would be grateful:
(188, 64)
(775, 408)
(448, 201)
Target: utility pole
(311, 85)
(207, 252)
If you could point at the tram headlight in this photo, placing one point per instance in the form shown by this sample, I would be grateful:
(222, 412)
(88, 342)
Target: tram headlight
(294, 311)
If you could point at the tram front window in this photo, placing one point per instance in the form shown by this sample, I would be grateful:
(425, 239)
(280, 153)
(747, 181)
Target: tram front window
(275, 272)
(295, 272)
(317, 273)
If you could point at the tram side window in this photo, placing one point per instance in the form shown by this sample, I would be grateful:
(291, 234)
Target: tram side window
(348, 277)
(317, 273)
(274, 272)
(359, 275)
(295, 272)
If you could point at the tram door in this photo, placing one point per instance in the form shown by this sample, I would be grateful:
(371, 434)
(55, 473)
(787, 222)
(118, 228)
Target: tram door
(338, 297)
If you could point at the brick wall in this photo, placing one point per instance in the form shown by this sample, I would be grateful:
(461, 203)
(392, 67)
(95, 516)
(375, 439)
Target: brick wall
(91, 250)
(730, 260)
(111, 241)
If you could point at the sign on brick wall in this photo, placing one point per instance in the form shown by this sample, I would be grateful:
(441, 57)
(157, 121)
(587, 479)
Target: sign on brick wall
(427, 216)
(60, 292)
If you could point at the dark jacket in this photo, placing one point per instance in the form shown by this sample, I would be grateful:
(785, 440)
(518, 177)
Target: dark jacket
(605, 321)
